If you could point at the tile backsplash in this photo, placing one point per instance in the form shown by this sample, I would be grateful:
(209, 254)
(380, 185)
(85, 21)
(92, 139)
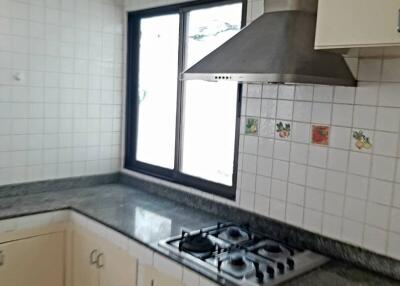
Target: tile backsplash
(61, 69)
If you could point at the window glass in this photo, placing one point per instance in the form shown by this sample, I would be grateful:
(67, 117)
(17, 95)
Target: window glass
(158, 72)
(209, 109)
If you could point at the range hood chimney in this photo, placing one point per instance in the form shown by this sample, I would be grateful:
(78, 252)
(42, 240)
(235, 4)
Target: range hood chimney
(277, 47)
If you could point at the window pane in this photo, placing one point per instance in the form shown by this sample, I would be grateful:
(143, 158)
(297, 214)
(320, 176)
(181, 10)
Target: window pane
(210, 108)
(158, 72)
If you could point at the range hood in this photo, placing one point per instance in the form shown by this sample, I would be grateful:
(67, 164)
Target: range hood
(277, 47)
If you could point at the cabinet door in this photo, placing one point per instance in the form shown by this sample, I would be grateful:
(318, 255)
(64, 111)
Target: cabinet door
(35, 261)
(84, 273)
(357, 23)
(116, 266)
(160, 279)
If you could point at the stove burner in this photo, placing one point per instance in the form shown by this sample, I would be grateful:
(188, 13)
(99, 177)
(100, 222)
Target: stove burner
(234, 232)
(272, 248)
(197, 243)
(237, 260)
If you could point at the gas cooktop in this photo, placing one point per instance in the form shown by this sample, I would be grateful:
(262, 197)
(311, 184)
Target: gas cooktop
(242, 256)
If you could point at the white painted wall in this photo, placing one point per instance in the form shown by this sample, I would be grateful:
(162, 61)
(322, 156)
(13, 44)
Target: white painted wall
(63, 117)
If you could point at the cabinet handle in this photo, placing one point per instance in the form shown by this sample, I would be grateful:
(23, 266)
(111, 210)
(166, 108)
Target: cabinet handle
(1, 258)
(152, 282)
(92, 254)
(398, 21)
(99, 261)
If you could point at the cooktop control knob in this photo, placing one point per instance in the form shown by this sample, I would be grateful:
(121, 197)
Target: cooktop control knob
(281, 267)
(259, 274)
(271, 272)
(290, 263)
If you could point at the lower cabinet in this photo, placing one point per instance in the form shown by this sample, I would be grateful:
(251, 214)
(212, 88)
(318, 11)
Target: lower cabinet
(96, 262)
(149, 276)
(34, 261)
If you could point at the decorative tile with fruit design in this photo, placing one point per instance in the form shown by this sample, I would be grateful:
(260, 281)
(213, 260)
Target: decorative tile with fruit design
(320, 135)
(251, 126)
(361, 140)
(283, 130)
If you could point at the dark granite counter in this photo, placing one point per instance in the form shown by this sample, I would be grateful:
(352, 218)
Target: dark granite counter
(148, 218)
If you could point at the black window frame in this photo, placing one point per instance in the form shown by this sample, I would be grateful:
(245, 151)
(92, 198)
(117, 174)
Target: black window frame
(132, 102)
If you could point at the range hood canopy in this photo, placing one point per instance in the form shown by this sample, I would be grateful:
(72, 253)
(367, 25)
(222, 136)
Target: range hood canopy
(278, 47)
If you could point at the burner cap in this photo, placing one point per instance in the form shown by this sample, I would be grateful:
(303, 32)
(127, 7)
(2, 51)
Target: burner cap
(272, 247)
(234, 232)
(237, 260)
(197, 243)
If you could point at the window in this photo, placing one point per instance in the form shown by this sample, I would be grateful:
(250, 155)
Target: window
(182, 131)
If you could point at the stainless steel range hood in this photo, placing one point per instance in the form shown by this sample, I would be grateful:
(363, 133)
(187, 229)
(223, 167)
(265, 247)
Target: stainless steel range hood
(278, 47)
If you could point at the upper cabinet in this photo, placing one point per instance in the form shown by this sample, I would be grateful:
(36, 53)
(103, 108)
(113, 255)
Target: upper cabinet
(357, 24)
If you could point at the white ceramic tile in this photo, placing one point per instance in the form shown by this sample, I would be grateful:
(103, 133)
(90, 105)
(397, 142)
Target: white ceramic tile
(314, 199)
(253, 107)
(281, 150)
(395, 220)
(301, 132)
(342, 114)
(321, 113)
(367, 93)
(270, 91)
(323, 93)
(263, 185)
(250, 145)
(383, 167)
(254, 90)
(247, 200)
(268, 108)
(354, 209)
(248, 182)
(377, 215)
(296, 194)
(286, 92)
(352, 231)
(261, 204)
(332, 226)
(369, 70)
(297, 173)
(385, 143)
(278, 189)
(316, 177)
(344, 94)
(340, 137)
(249, 163)
(359, 164)
(284, 109)
(391, 70)
(336, 182)
(388, 119)
(388, 95)
(317, 156)
(302, 111)
(380, 191)
(265, 147)
(294, 214)
(364, 116)
(334, 203)
(375, 239)
(396, 197)
(393, 245)
(338, 159)
(264, 166)
(277, 209)
(357, 186)
(304, 92)
(313, 220)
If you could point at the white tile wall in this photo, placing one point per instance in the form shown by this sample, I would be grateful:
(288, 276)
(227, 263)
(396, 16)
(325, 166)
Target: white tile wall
(337, 191)
(62, 117)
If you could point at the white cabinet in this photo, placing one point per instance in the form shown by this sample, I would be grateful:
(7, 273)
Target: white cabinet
(96, 262)
(149, 276)
(33, 261)
(357, 23)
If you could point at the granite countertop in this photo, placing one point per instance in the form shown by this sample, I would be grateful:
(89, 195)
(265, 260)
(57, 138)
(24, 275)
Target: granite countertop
(148, 218)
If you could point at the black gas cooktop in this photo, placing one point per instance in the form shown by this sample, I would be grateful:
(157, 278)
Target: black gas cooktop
(242, 256)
